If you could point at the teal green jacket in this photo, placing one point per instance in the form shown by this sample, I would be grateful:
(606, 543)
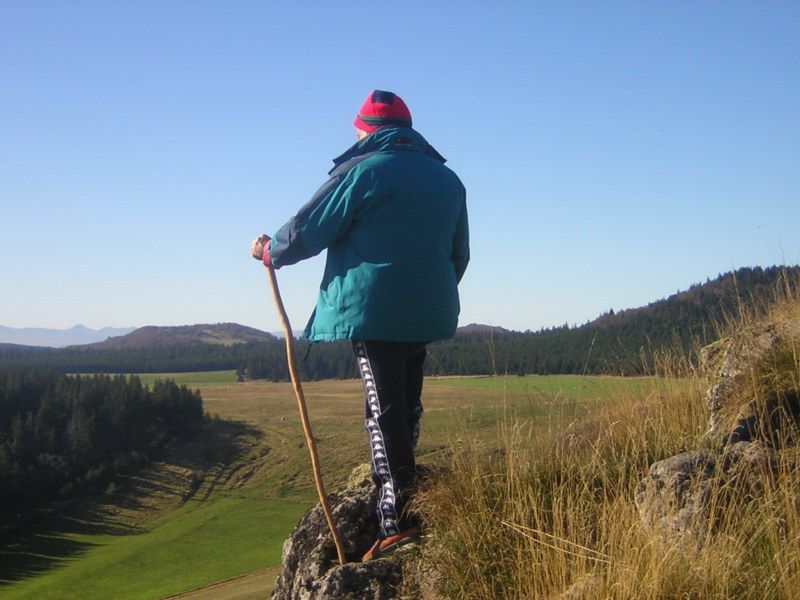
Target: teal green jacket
(394, 221)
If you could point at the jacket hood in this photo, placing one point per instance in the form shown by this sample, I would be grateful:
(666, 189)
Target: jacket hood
(386, 138)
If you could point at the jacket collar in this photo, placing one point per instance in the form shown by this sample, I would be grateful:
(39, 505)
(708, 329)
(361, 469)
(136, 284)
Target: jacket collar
(388, 137)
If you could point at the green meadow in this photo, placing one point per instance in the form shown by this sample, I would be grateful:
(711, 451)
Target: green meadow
(219, 504)
(567, 386)
(192, 380)
(194, 546)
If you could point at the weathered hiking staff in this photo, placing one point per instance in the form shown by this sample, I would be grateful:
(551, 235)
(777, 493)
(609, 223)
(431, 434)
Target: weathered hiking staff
(301, 403)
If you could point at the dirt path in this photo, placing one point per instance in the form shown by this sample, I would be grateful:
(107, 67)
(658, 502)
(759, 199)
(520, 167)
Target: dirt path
(247, 587)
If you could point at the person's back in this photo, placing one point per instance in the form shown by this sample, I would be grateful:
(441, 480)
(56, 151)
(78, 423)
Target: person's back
(392, 275)
(394, 221)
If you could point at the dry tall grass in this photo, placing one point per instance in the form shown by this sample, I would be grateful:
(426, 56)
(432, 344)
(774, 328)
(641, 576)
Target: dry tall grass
(555, 510)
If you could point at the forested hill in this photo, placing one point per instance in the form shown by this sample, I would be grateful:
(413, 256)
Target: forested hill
(618, 342)
(225, 334)
(59, 432)
(612, 343)
(703, 302)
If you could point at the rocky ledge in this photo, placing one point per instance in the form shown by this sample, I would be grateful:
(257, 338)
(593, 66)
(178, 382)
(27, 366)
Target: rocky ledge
(310, 567)
(755, 414)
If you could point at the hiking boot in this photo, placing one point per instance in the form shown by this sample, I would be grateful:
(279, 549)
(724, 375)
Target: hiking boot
(391, 544)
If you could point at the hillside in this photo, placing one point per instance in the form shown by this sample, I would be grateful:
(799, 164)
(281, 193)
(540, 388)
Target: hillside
(704, 301)
(223, 334)
(618, 342)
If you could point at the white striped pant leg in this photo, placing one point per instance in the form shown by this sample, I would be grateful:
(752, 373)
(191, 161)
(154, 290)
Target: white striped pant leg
(387, 512)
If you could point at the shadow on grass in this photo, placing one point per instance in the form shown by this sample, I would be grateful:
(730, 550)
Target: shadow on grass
(61, 531)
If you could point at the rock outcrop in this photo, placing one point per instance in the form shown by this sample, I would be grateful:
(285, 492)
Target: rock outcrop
(748, 395)
(677, 497)
(310, 568)
(755, 412)
(675, 492)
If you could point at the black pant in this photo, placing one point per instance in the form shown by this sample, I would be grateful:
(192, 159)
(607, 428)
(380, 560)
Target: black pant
(392, 377)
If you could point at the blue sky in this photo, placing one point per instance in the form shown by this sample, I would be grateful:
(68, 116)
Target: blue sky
(613, 152)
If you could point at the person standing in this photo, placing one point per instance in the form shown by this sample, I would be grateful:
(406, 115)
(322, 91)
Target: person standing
(393, 219)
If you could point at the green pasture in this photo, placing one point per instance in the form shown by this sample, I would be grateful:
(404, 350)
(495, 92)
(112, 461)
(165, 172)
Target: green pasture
(192, 380)
(198, 545)
(565, 386)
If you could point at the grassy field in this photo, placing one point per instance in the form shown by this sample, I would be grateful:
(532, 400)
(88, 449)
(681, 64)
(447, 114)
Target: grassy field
(198, 545)
(192, 380)
(252, 586)
(552, 386)
(219, 505)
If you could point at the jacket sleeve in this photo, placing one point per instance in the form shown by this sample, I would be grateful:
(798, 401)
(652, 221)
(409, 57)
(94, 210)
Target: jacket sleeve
(460, 253)
(317, 225)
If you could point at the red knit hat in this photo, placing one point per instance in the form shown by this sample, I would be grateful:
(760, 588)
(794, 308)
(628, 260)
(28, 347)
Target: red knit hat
(382, 108)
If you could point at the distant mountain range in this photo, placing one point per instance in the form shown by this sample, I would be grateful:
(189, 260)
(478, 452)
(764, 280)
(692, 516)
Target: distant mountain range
(58, 338)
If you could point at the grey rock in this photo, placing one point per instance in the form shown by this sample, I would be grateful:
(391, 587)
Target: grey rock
(751, 360)
(730, 361)
(748, 458)
(310, 567)
(745, 467)
(755, 411)
(675, 492)
(675, 499)
(774, 420)
(376, 580)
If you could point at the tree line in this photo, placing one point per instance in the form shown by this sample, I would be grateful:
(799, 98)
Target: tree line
(59, 432)
(615, 342)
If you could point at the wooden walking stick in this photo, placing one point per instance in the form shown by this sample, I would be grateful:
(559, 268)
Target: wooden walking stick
(301, 404)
